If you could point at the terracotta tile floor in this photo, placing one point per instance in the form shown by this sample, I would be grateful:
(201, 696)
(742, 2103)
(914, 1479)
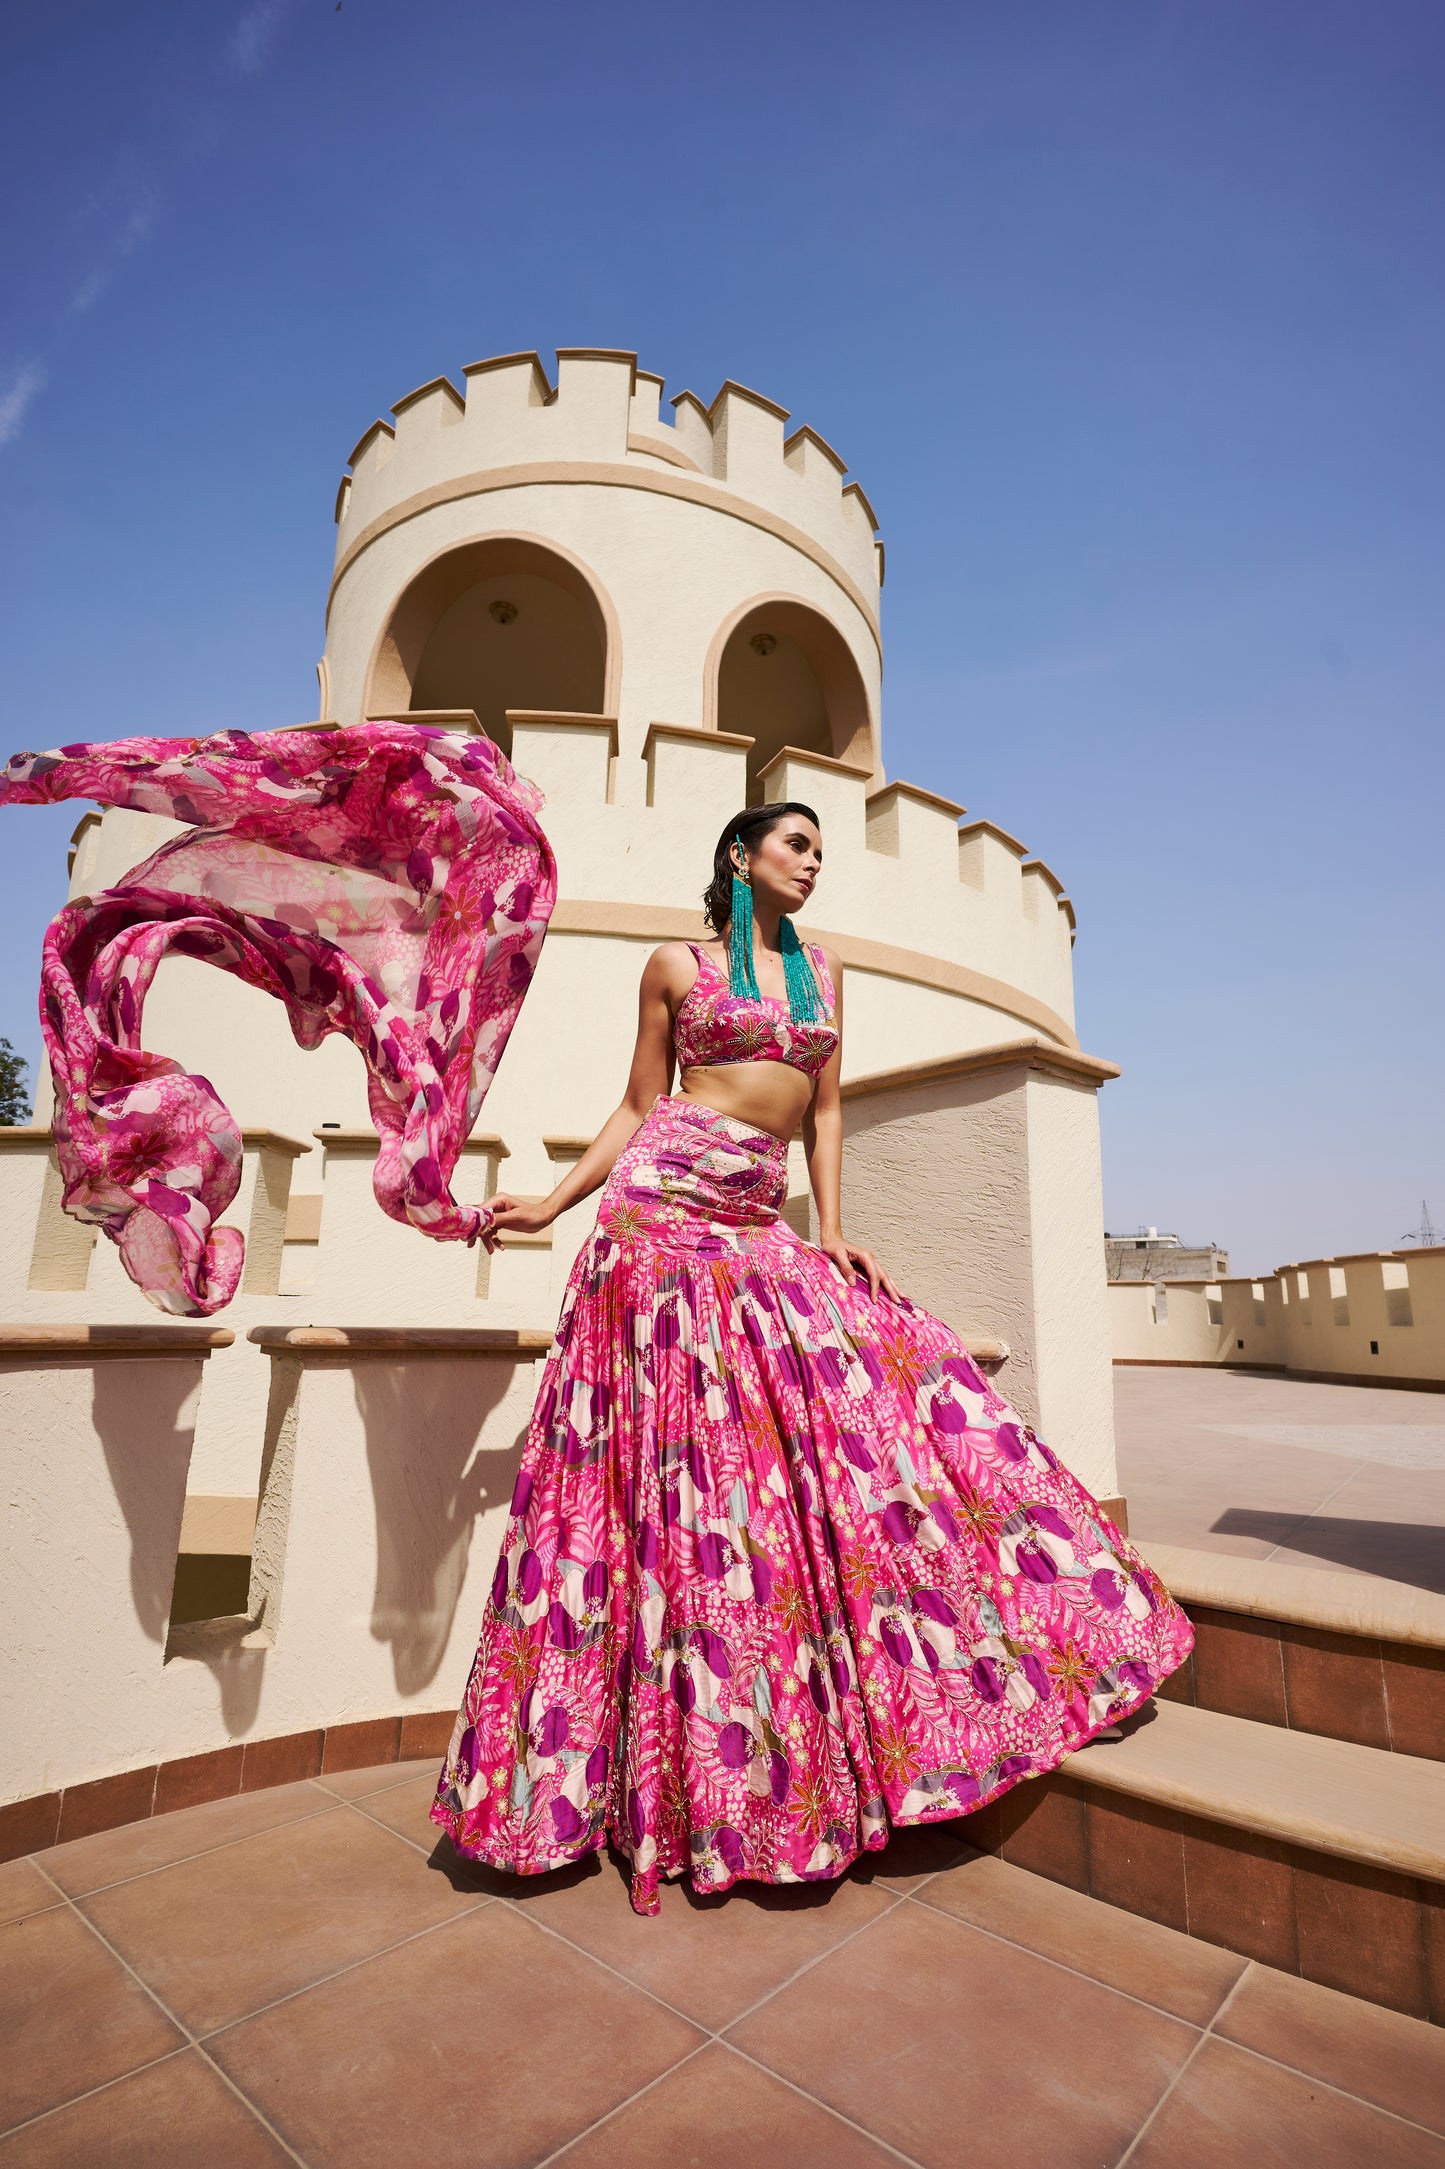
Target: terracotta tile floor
(310, 1976)
(1349, 1478)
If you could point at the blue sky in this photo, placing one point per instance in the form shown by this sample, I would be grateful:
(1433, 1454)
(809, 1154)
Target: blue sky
(1127, 313)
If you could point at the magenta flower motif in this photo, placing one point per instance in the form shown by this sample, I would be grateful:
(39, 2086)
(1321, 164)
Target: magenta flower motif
(729, 1845)
(1035, 1674)
(566, 1821)
(779, 1776)
(1034, 1561)
(553, 1731)
(943, 1514)
(1049, 1517)
(735, 1746)
(713, 1555)
(897, 1523)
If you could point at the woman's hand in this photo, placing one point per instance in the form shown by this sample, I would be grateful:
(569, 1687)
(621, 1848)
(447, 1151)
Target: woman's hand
(851, 1261)
(522, 1215)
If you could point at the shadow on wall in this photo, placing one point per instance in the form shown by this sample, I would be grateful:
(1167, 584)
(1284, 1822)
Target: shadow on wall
(430, 1481)
(137, 1411)
(1401, 1551)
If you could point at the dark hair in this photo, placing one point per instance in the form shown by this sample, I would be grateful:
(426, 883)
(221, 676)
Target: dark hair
(751, 826)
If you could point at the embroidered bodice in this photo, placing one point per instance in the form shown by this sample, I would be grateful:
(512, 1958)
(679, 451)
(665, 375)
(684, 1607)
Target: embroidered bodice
(716, 1026)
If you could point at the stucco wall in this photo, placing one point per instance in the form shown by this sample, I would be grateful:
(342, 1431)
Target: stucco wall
(385, 1501)
(1299, 1317)
(981, 1192)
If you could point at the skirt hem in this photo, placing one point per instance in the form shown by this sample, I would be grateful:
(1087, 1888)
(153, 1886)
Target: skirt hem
(644, 1887)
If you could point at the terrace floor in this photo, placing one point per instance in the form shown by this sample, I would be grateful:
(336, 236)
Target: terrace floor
(308, 1975)
(1344, 1477)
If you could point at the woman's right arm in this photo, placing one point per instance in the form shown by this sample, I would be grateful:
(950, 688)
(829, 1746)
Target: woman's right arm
(664, 982)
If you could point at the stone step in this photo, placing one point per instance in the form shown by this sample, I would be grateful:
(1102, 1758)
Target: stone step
(1316, 1855)
(1352, 1656)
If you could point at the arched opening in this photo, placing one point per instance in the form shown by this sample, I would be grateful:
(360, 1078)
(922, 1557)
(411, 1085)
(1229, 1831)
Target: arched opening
(785, 676)
(503, 623)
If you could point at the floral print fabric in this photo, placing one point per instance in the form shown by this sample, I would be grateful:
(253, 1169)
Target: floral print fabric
(713, 1025)
(783, 1569)
(388, 881)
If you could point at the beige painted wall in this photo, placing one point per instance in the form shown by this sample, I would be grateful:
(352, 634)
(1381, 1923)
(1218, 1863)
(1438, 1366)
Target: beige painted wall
(982, 1192)
(388, 1490)
(1320, 1316)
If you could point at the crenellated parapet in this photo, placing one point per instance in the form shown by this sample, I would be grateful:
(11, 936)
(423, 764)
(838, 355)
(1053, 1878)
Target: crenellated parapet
(604, 413)
(912, 893)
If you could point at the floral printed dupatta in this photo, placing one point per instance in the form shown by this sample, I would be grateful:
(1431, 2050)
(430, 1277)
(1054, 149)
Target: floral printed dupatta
(387, 881)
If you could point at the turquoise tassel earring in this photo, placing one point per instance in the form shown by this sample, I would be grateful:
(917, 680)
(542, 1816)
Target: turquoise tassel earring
(805, 1000)
(742, 978)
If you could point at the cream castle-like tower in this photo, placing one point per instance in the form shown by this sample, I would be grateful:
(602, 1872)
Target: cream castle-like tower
(659, 617)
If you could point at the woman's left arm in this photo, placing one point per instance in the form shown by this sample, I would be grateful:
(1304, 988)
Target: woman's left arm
(823, 1144)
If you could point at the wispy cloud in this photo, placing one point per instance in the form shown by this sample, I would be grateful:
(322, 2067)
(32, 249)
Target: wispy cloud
(24, 388)
(133, 232)
(253, 39)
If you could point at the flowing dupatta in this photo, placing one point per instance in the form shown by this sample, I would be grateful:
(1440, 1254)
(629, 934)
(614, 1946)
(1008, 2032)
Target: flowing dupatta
(387, 881)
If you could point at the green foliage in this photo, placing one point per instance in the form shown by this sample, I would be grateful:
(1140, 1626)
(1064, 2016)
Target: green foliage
(14, 1098)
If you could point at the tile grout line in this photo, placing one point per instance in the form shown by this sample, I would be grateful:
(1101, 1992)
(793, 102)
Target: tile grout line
(714, 2037)
(996, 1935)
(517, 1907)
(190, 2039)
(1312, 2078)
(199, 2041)
(841, 2116)
(225, 1845)
(324, 1807)
(896, 1899)
(1318, 1508)
(354, 1966)
(617, 2108)
(104, 2086)
(1169, 2091)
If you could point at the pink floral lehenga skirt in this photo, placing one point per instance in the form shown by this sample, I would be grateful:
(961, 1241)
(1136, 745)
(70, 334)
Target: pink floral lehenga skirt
(783, 1569)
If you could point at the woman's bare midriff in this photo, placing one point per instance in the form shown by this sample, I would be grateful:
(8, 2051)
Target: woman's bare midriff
(767, 1095)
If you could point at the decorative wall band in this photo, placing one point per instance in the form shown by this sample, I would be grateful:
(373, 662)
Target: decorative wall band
(604, 474)
(667, 922)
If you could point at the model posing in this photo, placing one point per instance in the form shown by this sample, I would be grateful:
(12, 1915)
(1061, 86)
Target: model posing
(783, 1569)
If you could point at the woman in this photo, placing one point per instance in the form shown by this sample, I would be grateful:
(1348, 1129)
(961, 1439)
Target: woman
(783, 1570)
